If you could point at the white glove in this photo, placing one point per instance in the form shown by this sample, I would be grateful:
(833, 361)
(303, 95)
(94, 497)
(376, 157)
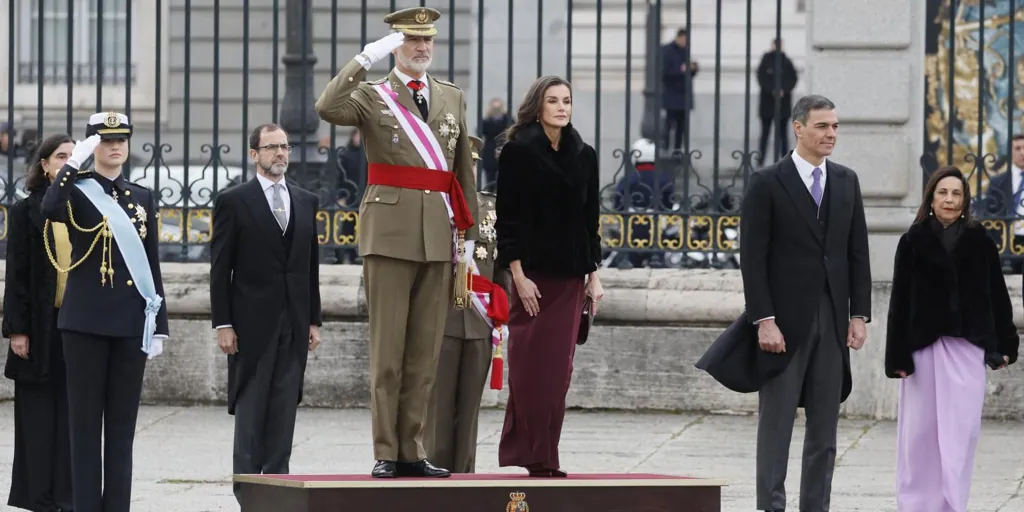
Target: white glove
(83, 150)
(378, 50)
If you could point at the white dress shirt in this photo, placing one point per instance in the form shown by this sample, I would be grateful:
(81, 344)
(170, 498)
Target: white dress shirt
(806, 170)
(268, 191)
(425, 91)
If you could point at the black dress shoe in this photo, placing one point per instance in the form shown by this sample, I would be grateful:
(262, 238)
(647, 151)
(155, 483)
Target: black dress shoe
(422, 468)
(384, 469)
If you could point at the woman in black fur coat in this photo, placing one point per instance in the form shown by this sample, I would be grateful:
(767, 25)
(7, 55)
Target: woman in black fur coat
(949, 317)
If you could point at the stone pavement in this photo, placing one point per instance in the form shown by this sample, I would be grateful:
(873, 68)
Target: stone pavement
(183, 455)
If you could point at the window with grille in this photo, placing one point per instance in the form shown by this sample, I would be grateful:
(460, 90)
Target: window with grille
(98, 33)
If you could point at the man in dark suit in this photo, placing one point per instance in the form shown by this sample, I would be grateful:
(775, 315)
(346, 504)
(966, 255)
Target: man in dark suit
(1004, 198)
(265, 297)
(807, 286)
(113, 315)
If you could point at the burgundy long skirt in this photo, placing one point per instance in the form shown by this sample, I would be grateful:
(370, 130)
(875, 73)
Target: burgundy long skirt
(540, 355)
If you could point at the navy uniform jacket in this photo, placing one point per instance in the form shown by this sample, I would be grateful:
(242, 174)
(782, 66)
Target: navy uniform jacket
(116, 308)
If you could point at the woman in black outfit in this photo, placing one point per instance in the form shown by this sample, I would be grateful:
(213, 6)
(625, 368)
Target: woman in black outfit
(548, 236)
(41, 477)
(949, 316)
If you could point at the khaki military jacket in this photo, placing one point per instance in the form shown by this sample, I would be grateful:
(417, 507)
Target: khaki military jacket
(396, 222)
(467, 323)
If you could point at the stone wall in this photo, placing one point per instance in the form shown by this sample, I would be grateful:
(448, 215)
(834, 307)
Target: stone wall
(652, 328)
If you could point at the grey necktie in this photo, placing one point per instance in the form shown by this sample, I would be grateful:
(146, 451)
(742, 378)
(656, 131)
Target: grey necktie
(278, 204)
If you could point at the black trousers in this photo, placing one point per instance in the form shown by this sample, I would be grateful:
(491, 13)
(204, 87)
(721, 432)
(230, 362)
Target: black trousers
(676, 123)
(41, 476)
(816, 372)
(266, 407)
(104, 378)
(781, 139)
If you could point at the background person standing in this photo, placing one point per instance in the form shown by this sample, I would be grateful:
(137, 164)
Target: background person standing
(454, 413)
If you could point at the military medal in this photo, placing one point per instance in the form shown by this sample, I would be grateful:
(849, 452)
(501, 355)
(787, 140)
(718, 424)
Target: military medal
(495, 253)
(394, 139)
(481, 253)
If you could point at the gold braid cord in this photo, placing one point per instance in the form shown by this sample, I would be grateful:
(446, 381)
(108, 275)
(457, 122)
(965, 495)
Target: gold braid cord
(460, 288)
(102, 231)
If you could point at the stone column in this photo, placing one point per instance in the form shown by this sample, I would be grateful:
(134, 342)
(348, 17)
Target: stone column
(868, 58)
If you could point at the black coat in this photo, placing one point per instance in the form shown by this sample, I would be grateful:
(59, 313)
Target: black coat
(937, 293)
(254, 269)
(676, 84)
(766, 78)
(29, 291)
(89, 306)
(788, 257)
(548, 204)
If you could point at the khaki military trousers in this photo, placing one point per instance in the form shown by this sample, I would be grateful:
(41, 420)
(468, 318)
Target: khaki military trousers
(408, 304)
(454, 413)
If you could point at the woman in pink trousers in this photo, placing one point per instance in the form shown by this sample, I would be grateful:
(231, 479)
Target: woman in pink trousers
(949, 318)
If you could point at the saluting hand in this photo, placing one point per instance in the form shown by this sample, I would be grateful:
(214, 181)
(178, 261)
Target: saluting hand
(83, 150)
(314, 337)
(19, 345)
(381, 48)
(227, 340)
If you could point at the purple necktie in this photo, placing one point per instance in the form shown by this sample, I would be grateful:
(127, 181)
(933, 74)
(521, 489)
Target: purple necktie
(816, 186)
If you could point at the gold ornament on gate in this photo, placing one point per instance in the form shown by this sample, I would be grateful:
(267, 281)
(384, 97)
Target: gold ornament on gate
(518, 503)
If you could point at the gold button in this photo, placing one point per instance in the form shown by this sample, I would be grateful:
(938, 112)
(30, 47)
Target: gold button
(127, 192)
(129, 283)
(426, 191)
(131, 206)
(396, 126)
(349, 79)
(376, 199)
(62, 184)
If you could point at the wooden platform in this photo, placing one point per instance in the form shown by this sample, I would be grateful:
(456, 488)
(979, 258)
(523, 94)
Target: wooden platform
(480, 493)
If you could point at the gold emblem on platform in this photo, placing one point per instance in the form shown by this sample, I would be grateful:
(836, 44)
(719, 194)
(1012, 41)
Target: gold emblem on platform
(112, 121)
(518, 503)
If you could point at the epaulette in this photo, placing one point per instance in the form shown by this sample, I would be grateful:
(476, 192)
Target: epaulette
(445, 82)
(377, 81)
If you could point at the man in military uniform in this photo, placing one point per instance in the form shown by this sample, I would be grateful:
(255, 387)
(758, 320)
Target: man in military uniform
(452, 419)
(420, 192)
(113, 316)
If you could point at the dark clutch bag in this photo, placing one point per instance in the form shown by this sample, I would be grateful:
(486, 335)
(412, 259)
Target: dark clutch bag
(586, 320)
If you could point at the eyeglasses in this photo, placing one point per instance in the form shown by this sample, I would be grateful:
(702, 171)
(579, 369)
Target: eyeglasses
(275, 147)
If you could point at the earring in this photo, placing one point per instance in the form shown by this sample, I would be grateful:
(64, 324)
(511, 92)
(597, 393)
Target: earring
(931, 212)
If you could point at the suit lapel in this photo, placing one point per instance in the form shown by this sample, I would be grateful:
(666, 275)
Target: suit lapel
(835, 183)
(404, 96)
(297, 220)
(256, 200)
(797, 191)
(436, 102)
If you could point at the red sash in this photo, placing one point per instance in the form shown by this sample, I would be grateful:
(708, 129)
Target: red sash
(421, 178)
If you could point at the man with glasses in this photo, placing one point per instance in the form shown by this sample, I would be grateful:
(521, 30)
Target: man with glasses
(265, 299)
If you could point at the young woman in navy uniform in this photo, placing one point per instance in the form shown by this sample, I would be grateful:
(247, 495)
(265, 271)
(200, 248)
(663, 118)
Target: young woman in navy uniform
(113, 316)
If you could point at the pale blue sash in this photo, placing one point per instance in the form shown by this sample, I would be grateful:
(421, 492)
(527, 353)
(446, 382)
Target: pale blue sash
(135, 258)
